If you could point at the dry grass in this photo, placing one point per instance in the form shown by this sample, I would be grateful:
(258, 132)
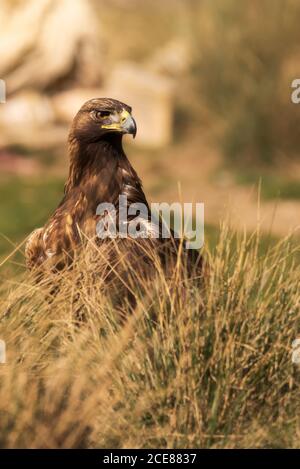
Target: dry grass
(211, 368)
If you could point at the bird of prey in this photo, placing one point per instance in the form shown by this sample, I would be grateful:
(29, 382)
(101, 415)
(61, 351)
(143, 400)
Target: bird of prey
(99, 172)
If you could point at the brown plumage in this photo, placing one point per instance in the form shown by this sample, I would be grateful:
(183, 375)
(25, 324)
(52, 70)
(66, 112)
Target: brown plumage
(99, 172)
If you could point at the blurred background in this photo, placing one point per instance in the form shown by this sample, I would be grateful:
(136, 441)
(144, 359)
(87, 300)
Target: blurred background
(210, 86)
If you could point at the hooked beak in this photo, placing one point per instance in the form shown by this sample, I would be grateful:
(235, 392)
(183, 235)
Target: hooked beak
(129, 126)
(125, 124)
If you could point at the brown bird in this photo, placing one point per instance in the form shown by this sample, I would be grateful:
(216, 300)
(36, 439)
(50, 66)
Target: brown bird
(99, 173)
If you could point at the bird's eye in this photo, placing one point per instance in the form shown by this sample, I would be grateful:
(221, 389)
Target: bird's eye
(98, 115)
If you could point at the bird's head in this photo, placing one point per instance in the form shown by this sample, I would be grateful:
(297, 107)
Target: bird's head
(100, 117)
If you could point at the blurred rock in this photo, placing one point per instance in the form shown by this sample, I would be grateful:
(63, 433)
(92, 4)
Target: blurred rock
(28, 119)
(67, 103)
(151, 97)
(26, 109)
(47, 44)
(52, 60)
(173, 59)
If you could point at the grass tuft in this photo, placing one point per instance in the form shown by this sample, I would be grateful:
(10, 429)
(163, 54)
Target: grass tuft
(208, 368)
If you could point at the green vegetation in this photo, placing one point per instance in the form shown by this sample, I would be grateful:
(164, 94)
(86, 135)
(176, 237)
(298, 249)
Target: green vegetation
(25, 205)
(245, 59)
(272, 185)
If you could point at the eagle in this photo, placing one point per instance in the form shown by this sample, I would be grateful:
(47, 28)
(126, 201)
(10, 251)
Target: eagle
(100, 172)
